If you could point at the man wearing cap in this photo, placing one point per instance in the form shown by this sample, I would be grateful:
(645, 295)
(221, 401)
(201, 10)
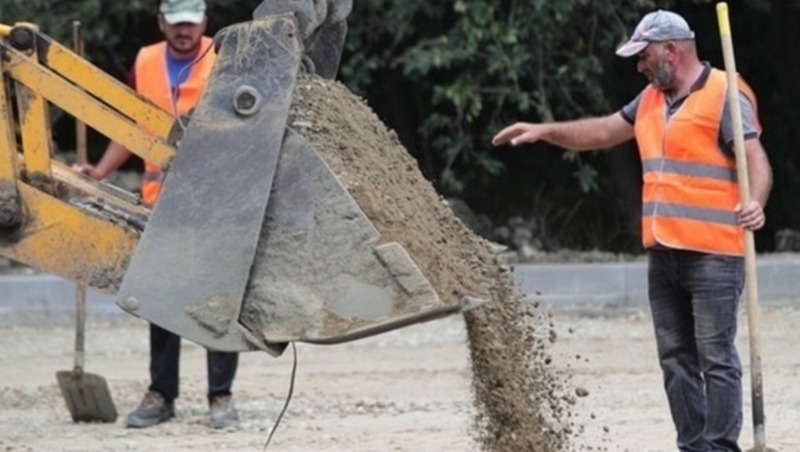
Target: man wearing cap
(692, 223)
(167, 74)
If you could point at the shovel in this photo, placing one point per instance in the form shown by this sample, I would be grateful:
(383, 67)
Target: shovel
(756, 383)
(87, 395)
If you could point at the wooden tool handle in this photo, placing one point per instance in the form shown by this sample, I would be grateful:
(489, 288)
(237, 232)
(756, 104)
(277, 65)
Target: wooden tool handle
(751, 279)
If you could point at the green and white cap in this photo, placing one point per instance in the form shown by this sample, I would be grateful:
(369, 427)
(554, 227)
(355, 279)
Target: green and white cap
(657, 26)
(178, 11)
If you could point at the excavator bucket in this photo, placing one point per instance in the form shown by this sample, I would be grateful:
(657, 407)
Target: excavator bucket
(320, 273)
(254, 242)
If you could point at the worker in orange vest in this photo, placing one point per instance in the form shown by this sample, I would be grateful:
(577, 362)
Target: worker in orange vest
(169, 74)
(692, 224)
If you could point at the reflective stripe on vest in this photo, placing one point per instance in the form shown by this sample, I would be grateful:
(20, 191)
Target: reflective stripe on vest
(690, 187)
(152, 81)
(689, 213)
(690, 169)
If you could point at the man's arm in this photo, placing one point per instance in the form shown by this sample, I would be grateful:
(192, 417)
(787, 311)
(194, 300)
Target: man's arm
(115, 155)
(580, 135)
(760, 177)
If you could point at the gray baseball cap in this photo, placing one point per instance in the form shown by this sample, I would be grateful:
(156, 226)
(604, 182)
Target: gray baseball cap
(178, 11)
(657, 26)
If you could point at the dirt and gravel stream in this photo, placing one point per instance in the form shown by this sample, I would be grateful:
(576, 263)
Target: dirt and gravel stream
(521, 403)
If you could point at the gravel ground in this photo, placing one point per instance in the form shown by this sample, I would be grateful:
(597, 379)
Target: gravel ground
(407, 390)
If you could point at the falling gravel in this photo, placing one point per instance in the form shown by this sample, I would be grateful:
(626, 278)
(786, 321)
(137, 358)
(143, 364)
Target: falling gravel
(520, 398)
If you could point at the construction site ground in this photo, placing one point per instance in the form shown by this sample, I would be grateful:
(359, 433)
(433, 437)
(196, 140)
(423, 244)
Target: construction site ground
(408, 390)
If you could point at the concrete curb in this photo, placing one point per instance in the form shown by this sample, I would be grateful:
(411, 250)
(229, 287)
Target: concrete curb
(624, 285)
(49, 297)
(591, 286)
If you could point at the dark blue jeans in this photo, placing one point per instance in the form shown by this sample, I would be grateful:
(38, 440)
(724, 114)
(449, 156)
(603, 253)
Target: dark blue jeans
(694, 299)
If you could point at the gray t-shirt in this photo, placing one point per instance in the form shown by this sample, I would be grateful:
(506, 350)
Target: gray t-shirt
(749, 124)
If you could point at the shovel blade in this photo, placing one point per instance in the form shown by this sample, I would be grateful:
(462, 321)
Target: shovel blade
(87, 396)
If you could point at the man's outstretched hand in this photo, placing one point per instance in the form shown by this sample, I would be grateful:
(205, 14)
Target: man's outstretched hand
(519, 133)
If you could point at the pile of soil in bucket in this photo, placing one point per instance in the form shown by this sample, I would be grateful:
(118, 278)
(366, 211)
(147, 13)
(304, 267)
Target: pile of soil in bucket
(520, 398)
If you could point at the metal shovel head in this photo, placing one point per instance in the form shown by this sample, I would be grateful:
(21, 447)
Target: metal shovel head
(87, 396)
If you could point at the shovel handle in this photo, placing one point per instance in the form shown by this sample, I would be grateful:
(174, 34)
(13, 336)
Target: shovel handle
(80, 324)
(80, 126)
(81, 151)
(751, 280)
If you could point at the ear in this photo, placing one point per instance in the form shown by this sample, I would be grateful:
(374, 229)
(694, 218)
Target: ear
(161, 23)
(671, 48)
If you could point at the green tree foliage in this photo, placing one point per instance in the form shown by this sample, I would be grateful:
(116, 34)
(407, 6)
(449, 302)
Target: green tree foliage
(480, 63)
(448, 75)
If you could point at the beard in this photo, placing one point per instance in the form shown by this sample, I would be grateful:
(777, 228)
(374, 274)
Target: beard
(183, 45)
(663, 77)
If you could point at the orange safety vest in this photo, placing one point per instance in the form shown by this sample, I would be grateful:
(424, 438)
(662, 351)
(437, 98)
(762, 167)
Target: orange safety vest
(690, 186)
(152, 81)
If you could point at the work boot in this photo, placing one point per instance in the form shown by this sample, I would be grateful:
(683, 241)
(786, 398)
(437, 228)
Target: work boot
(223, 413)
(153, 410)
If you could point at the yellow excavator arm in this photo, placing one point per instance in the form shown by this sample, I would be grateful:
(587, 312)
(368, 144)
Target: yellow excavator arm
(51, 218)
(254, 241)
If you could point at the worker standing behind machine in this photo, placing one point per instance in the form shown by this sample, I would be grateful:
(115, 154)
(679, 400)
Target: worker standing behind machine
(170, 74)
